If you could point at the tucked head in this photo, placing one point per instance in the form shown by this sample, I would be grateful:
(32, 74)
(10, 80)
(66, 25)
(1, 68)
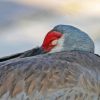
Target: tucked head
(67, 38)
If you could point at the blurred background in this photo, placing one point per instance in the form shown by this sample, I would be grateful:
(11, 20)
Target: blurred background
(24, 23)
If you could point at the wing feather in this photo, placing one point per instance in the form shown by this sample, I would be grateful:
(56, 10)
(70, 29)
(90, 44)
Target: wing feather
(73, 75)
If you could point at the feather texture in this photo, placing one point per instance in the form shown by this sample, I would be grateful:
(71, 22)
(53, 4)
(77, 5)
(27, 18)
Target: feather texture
(73, 75)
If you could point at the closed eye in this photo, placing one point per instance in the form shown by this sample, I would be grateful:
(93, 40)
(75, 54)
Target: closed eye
(54, 42)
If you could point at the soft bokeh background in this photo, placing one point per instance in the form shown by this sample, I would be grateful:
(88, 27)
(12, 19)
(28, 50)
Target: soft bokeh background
(24, 23)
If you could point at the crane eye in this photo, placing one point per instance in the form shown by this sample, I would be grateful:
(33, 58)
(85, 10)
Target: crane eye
(54, 42)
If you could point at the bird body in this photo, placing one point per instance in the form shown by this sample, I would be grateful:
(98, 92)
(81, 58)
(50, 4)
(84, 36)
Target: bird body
(69, 70)
(70, 75)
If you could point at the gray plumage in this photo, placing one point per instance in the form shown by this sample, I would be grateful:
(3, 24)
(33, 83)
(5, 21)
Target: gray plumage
(71, 75)
(75, 39)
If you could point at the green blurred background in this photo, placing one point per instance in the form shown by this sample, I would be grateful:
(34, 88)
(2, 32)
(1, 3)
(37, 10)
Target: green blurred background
(24, 23)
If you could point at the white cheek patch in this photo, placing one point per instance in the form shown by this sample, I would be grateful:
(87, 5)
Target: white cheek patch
(59, 46)
(54, 42)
